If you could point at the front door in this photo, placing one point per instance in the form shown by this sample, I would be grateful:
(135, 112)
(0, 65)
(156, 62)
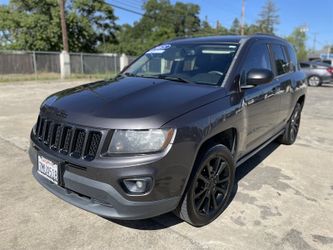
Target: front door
(261, 103)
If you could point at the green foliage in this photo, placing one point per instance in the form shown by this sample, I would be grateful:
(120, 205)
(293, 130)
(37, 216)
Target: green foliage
(298, 39)
(207, 30)
(91, 24)
(35, 25)
(235, 27)
(162, 21)
(251, 29)
(268, 18)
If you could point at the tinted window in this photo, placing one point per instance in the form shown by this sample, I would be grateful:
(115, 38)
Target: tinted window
(305, 65)
(257, 58)
(281, 62)
(293, 59)
(327, 61)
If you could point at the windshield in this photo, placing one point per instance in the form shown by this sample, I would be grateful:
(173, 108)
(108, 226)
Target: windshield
(196, 63)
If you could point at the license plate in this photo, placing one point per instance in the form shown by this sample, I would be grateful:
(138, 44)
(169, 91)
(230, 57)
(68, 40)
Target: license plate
(48, 169)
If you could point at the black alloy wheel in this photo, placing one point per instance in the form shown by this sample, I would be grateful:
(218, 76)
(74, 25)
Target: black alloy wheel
(209, 188)
(295, 122)
(212, 185)
(290, 134)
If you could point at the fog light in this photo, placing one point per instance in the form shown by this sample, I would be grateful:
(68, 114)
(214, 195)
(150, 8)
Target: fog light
(138, 185)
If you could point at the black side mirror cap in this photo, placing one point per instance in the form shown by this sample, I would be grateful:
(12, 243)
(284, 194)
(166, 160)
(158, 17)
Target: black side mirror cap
(259, 76)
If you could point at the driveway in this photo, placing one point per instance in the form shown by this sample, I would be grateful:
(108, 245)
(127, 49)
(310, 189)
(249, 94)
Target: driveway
(284, 197)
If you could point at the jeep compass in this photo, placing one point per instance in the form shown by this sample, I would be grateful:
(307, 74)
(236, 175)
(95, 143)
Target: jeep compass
(168, 132)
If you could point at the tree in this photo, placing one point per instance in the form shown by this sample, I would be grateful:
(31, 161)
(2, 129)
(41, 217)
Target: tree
(35, 24)
(235, 27)
(207, 30)
(162, 21)
(298, 39)
(268, 17)
(251, 29)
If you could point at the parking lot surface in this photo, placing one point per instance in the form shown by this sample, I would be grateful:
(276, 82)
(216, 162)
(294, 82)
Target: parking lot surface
(284, 197)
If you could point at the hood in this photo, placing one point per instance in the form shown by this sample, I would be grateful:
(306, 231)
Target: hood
(128, 102)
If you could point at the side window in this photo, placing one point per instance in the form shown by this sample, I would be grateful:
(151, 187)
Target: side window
(293, 58)
(280, 59)
(305, 65)
(257, 58)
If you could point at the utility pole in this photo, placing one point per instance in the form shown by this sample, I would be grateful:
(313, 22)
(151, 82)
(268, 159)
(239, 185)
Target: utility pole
(65, 64)
(314, 42)
(328, 51)
(63, 25)
(243, 18)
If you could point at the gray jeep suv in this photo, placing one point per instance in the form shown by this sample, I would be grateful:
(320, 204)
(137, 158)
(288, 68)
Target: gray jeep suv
(168, 132)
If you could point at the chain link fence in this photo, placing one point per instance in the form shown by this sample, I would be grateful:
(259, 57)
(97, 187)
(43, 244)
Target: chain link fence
(43, 65)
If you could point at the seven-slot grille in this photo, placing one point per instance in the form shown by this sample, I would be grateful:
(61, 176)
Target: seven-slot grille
(67, 139)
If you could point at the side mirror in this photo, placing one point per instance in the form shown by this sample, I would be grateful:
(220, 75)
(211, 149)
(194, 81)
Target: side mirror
(259, 76)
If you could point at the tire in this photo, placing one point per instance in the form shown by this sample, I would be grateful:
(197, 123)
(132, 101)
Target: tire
(314, 81)
(209, 188)
(290, 134)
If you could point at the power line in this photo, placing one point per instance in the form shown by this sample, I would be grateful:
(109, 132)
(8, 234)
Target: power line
(128, 5)
(166, 19)
(135, 3)
(126, 9)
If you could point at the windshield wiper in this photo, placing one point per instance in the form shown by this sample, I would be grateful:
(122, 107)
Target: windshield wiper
(174, 78)
(166, 77)
(126, 74)
(122, 75)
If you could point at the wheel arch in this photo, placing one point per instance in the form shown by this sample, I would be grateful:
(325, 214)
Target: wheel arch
(228, 138)
(301, 100)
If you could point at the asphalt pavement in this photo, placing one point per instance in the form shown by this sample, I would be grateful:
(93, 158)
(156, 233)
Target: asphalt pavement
(284, 196)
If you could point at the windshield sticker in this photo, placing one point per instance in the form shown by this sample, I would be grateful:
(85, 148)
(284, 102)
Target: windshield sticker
(160, 49)
(155, 51)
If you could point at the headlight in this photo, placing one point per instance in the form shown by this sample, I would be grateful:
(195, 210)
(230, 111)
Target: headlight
(140, 141)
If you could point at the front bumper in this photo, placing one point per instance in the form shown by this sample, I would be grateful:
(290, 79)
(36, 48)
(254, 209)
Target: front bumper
(108, 199)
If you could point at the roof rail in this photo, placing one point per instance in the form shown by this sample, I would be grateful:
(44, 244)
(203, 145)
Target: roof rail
(264, 34)
(178, 38)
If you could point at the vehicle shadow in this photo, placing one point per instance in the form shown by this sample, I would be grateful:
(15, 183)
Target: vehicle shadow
(169, 219)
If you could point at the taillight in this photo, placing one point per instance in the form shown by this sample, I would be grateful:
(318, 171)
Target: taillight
(330, 70)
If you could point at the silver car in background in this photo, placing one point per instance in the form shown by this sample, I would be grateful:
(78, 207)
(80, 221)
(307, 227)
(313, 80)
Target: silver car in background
(317, 73)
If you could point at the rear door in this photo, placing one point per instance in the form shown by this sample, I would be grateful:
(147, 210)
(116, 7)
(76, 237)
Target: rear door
(262, 102)
(283, 69)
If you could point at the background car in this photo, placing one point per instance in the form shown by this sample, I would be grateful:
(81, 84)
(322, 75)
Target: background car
(317, 73)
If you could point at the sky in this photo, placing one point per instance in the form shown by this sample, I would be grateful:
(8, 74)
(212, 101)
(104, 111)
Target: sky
(316, 15)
